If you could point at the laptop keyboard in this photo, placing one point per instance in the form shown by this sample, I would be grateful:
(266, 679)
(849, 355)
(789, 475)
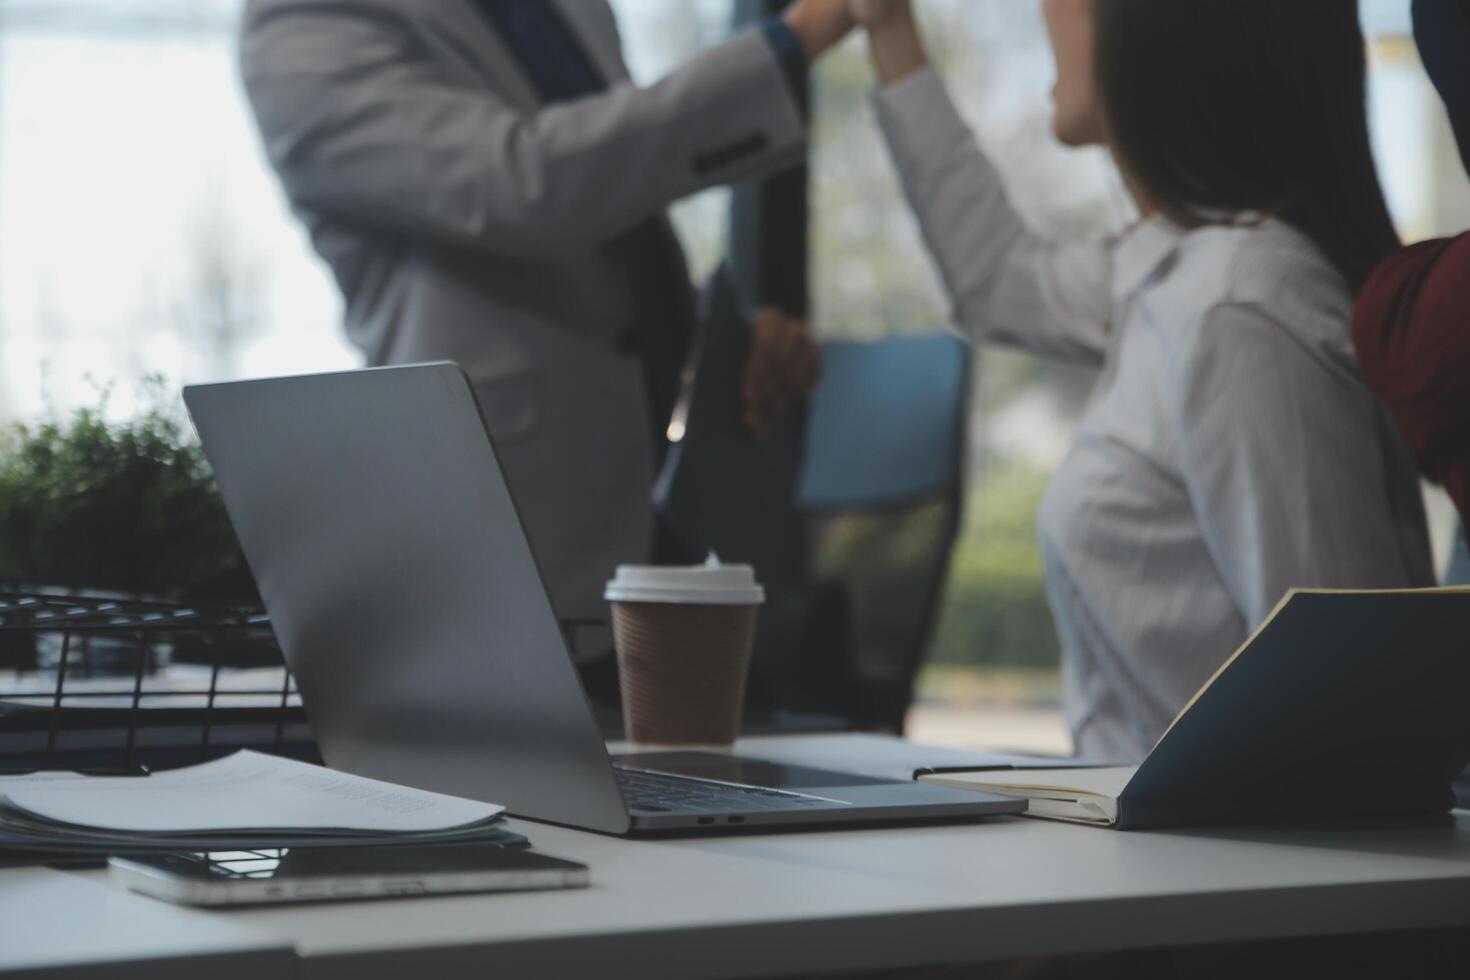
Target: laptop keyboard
(660, 793)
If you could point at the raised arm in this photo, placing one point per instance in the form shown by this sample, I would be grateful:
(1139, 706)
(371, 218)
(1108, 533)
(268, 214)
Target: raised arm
(1006, 284)
(362, 121)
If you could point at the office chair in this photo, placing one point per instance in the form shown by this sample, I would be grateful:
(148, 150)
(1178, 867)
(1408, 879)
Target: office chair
(1458, 572)
(881, 492)
(854, 565)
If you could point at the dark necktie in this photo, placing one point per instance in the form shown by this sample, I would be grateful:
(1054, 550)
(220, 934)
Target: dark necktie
(560, 69)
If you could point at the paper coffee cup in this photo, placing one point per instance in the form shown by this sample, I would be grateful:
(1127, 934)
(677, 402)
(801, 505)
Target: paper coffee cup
(683, 636)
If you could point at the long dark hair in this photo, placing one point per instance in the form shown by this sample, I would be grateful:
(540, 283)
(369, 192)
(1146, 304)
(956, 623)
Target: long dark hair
(1442, 29)
(1228, 106)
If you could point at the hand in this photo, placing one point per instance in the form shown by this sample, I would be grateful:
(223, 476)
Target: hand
(872, 13)
(893, 36)
(819, 24)
(783, 369)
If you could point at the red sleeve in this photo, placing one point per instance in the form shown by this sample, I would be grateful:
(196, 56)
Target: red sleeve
(1411, 330)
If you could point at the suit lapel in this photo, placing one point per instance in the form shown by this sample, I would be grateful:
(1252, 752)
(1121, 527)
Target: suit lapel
(597, 28)
(458, 24)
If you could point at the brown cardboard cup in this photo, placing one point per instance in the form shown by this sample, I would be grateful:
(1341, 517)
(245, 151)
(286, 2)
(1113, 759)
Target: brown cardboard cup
(683, 639)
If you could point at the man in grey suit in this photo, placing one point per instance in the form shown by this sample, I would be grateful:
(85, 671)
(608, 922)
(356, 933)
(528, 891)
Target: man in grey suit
(488, 186)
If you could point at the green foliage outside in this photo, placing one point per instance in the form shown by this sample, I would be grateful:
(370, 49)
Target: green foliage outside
(994, 611)
(129, 507)
(981, 688)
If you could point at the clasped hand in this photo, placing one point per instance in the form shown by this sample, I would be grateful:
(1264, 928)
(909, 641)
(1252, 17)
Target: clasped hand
(822, 23)
(782, 370)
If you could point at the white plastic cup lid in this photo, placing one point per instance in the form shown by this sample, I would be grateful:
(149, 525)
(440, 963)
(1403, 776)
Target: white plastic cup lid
(711, 583)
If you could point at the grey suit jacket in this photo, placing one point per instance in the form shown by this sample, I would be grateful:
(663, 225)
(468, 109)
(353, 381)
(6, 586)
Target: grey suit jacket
(463, 220)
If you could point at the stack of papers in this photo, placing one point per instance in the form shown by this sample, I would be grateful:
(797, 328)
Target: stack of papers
(243, 800)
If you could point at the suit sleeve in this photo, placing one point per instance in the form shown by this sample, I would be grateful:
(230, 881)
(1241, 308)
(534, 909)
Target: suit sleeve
(1006, 284)
(364, 124)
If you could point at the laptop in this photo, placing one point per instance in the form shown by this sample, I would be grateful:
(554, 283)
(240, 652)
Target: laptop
(409, 606)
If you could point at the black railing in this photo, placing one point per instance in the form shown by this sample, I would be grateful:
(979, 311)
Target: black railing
(94, 682)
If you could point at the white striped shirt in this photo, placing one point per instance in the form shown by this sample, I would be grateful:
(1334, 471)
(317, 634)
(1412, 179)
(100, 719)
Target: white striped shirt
(1230, 450)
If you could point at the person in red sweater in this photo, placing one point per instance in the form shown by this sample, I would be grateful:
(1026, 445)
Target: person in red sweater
(1412, 323)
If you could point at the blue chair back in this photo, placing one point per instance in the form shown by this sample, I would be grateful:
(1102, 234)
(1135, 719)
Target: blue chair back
(886, 424)
(1458, 572)
(881, 490)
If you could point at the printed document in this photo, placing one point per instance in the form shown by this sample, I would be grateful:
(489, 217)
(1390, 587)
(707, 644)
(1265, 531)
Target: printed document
(247, 791)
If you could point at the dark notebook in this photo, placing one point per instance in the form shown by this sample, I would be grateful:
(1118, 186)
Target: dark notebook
(1343, 704)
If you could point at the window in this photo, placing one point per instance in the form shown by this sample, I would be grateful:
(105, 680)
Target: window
(141, 231)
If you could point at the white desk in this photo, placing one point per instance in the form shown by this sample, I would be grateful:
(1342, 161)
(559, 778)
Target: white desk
(64, 925)
(773, 905)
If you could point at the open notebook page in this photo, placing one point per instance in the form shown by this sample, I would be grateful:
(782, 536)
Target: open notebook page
(1078, 795)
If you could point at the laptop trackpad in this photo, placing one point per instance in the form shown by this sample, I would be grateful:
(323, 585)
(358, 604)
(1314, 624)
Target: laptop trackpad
(751, 772)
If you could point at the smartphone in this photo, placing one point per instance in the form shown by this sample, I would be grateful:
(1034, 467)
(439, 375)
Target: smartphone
(314, 874)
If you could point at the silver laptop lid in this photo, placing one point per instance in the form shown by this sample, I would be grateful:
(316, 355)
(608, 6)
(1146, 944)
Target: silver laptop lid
(397, 574)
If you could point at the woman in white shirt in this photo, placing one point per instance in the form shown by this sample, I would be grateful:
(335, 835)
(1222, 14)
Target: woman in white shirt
(1230, 451)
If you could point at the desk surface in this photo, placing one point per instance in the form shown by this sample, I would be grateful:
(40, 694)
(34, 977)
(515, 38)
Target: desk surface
(779, 904)
(65, 925)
